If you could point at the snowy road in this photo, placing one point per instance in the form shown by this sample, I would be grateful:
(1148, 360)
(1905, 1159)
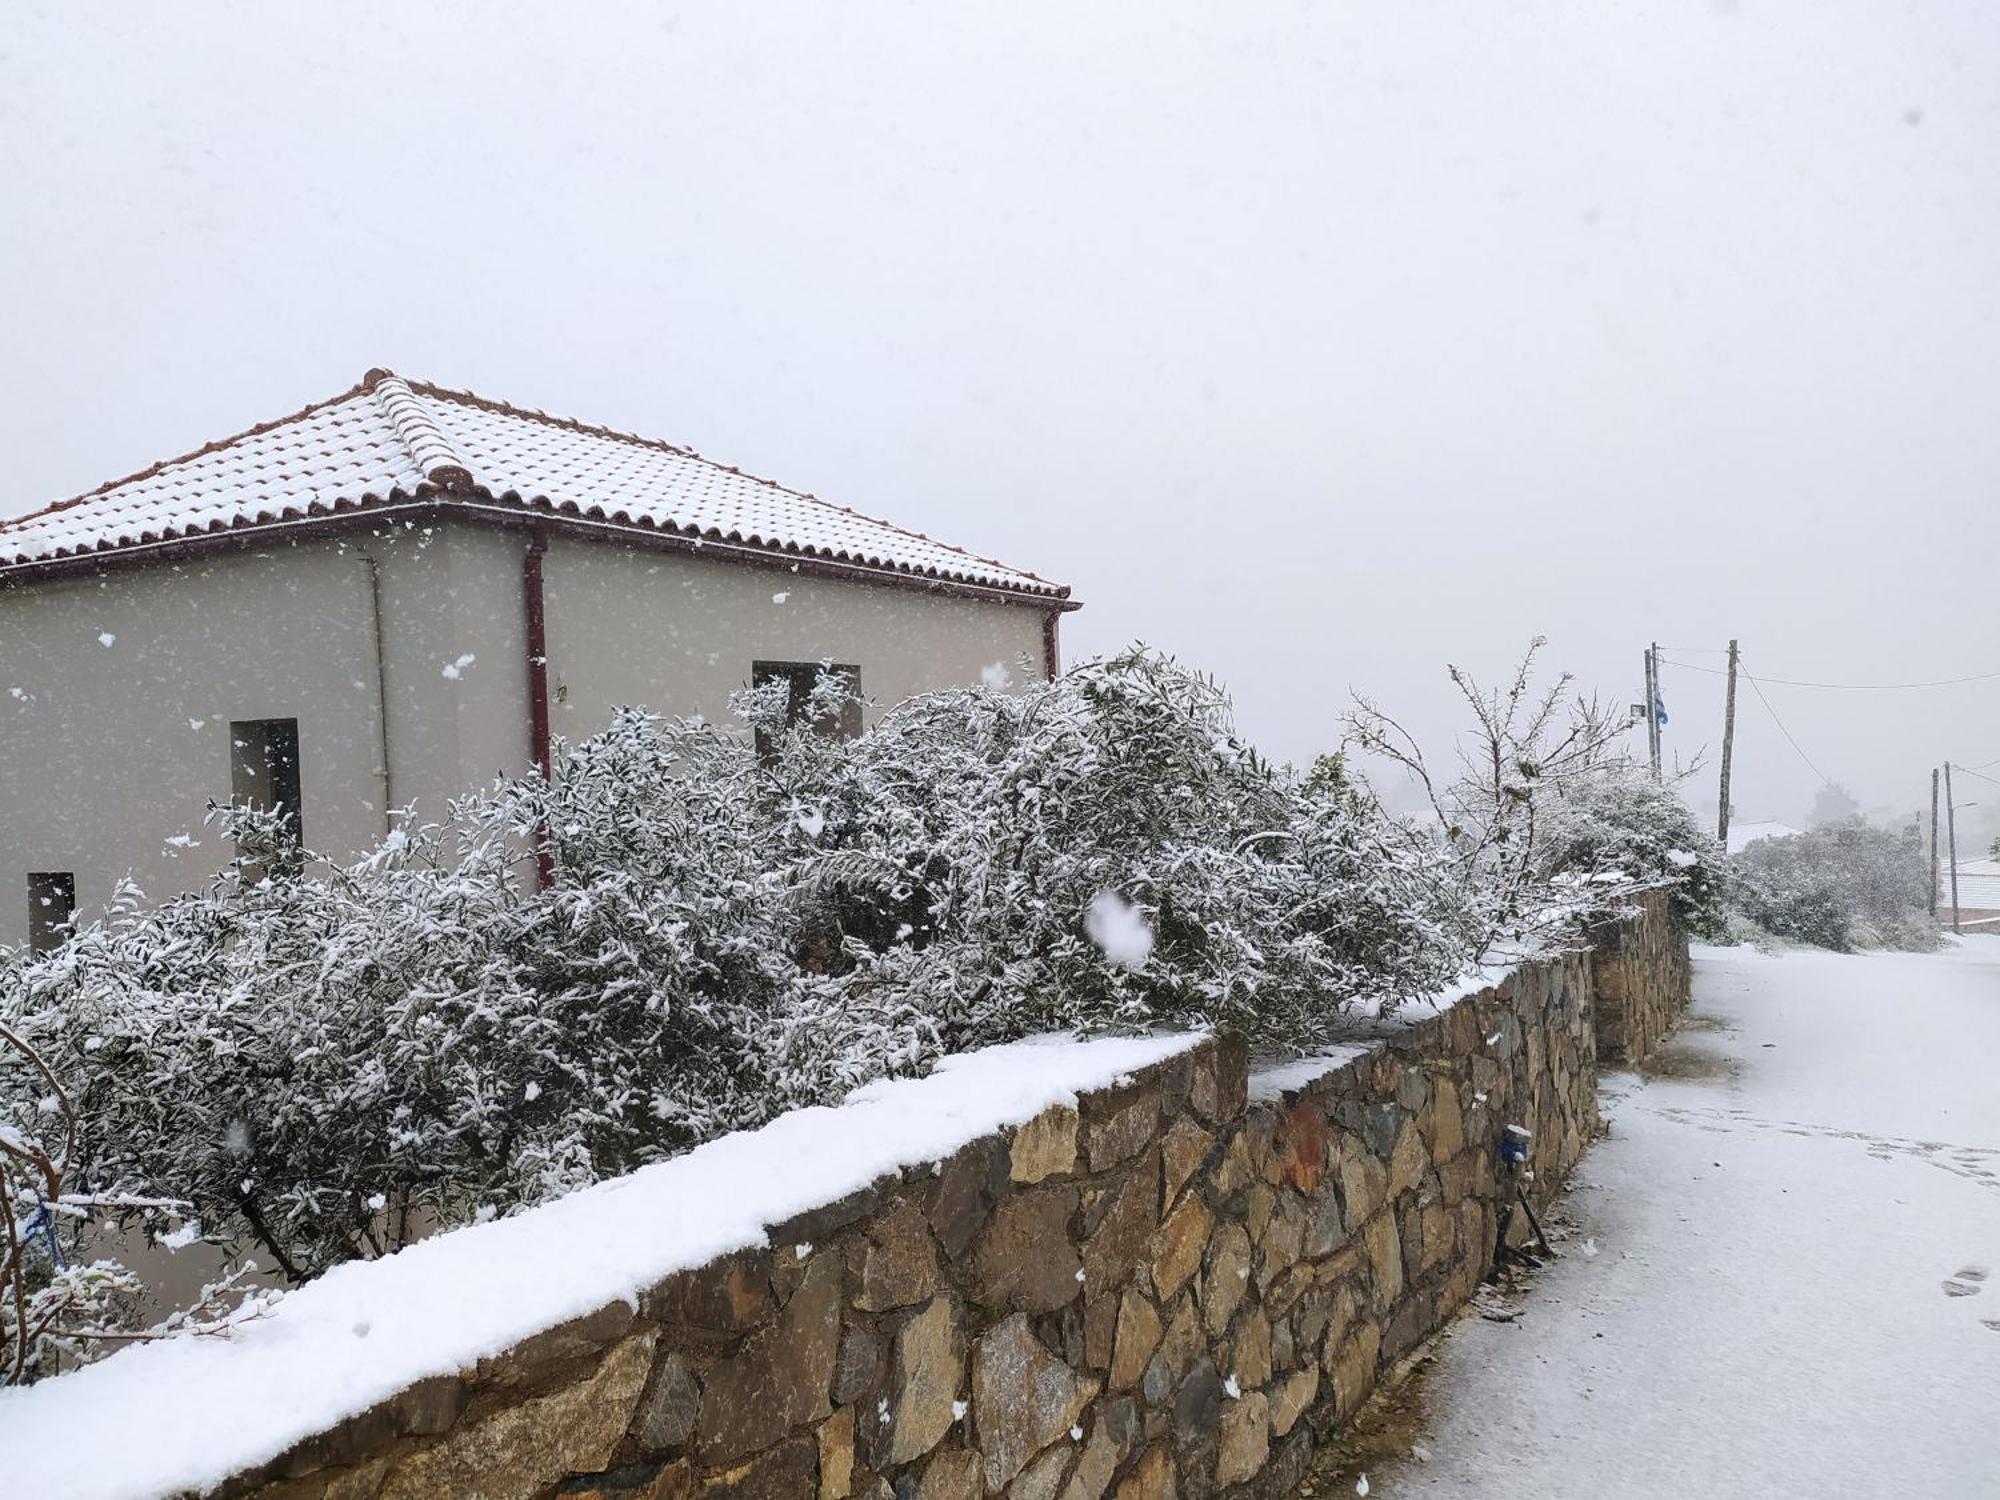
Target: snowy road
(1793, 1230)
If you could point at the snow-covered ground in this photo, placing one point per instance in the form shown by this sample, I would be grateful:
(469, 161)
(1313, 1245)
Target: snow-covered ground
(1791, 1228)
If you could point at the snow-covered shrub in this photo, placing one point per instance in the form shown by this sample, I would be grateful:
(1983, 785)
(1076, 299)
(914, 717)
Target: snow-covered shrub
(60, 1304)
(327, 1061)
(1845, 886)
(954, 854)
(1532, 752)
(1621, 820)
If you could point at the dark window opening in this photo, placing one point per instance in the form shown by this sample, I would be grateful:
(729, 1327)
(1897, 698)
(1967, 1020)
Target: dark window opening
(264, 770)
(51, 909)
(800, 676)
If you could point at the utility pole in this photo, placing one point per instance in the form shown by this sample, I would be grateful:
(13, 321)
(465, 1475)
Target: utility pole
(1951, 835)
(1653, 706)
(1934, 843)
(1728, 744)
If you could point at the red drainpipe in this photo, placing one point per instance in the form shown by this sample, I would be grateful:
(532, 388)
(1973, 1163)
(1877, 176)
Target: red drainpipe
(1051, 646)
(538, 687)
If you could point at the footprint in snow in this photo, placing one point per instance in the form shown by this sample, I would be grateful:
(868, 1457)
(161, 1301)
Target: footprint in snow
(1965, 1281)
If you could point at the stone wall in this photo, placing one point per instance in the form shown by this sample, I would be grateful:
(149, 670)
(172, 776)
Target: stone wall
(1642, 979)
(1170, 1290)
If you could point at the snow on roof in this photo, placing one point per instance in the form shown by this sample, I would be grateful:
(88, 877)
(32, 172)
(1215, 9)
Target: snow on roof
(1743, 835)
(185, 1414)
(391, 440)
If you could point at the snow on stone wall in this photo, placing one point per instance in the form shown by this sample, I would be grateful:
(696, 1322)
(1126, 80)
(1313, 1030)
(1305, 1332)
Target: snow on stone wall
(1124, 1268)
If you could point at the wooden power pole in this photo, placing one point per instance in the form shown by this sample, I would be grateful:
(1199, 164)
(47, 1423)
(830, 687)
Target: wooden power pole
(1934, 843)
(1653, 706)
(1728, 745)
(1951, 843)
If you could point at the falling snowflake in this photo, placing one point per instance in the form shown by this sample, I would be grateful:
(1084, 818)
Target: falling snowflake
(1119, 929)
(453, 670)
(781, 596)
(995, 676)
(106, 638)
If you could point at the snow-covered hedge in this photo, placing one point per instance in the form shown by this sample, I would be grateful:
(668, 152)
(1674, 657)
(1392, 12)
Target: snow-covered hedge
(325, 1064)
(1844, 886)
(1623, 819)
(329, 1061)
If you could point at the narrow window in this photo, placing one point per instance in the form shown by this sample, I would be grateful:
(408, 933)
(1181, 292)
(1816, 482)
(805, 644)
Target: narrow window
(800, 677)
(51, 909)
(264, 769)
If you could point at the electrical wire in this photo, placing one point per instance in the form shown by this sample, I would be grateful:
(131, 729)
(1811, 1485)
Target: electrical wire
(1824, 779)
(1849, 687)
(1968, 771)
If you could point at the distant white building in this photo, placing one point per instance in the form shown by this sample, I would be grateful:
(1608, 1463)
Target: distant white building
(1743, 835)
(1978, 892)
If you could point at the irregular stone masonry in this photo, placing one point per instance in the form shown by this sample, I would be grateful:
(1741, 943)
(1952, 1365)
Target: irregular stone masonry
(1640, 972)
(1167, 1293)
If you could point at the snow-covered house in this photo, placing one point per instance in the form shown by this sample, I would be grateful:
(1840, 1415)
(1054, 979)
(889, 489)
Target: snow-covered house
(398, 593)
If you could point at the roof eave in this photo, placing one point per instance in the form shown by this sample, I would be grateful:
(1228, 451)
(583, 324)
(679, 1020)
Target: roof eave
(485, 509)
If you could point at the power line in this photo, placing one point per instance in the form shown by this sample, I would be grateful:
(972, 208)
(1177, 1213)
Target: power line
(1850, 687)
(1968, 771)
(1824, 779)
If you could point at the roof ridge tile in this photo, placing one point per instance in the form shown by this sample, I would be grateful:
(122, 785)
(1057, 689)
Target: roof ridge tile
(434, 453)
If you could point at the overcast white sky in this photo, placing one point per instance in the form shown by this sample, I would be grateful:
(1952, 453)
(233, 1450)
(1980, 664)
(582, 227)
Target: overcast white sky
(1318, 343)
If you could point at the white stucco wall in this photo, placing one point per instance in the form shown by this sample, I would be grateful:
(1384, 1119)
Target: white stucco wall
(108, 751)
(678, 633)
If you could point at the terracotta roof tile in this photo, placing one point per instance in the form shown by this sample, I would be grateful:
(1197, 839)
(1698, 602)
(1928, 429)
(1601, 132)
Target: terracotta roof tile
(390, 440)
